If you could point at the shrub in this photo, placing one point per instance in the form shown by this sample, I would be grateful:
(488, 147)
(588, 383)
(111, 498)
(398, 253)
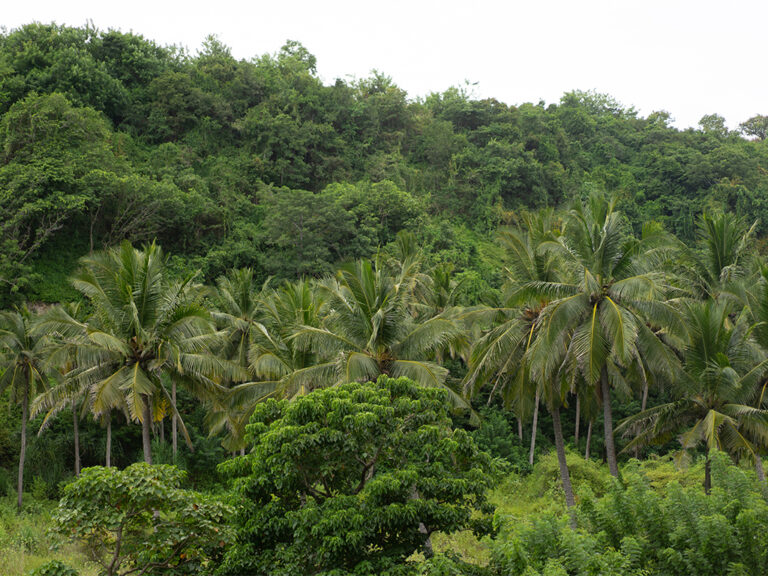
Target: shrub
(139, 520)
(39, 488)
(497, 437)
(54, 568)
(636, 530)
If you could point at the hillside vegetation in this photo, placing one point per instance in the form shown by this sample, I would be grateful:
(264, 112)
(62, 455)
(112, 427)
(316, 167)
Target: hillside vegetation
(253, 324)
(106, 136)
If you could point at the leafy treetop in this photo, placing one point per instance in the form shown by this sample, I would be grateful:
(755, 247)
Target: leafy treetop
(353, 479)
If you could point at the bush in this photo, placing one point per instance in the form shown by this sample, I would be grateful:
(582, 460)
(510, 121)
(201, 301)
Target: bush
(545, 478)
(137, 519)
(636, 530)
(40, 489)
(450, 565)
(54, 568)
(497, 436)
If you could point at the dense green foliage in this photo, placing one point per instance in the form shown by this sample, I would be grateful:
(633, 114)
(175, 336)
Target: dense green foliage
(106, 136)
(637, 530)
(337, 309)
(353, 480)
(54, 568)
(140, 520)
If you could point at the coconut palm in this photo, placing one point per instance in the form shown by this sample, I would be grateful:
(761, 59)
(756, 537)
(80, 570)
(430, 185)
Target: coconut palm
(500, 356)
(611, 304)
(439, 291)
(273, 358)
(23, 365)
(369, 330)
(274, 355)
(70, 390)
(717, 391)
(757, 310)
(62, 355)
(143, 327)
(718, 263)
(238, 312)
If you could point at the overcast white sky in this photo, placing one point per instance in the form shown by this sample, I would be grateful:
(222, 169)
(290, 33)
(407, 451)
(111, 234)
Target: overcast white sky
(687, 57)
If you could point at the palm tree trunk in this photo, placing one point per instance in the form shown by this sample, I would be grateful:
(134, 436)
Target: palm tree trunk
(759, 468)
(146, 424)
(589, 440)
(109, 440)
(174, 436)
(565, 476)
(534, 428)
(520, 428)
(578, 415)
(643, 405)
(610, 448)
(77, 437)
(707, 475)
(161, 425)
(23, 451)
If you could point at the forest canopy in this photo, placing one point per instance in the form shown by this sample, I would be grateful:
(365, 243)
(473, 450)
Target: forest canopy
(107, 136)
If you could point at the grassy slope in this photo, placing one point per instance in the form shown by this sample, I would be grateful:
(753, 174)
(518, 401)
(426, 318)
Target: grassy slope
(26, 542)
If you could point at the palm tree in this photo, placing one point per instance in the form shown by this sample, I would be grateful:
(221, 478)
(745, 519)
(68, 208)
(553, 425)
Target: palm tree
(239, 314)
(439, 291)
(143, 326)
(610, 305)
(62, 355)
(718, 264)
(369, 330)
(62, 358)
(757, 309)
(717, 390)
(500, 356)
(275, 363)
(275, 355)
(22, 353)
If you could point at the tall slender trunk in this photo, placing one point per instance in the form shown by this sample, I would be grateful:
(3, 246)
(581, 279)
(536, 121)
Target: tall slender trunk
(759, 468)
(174, 437)
(520, 428)
(707, 475)
(76, 429)
(109, 440)
(161, 425)
(610, 448)
(565, 476)
(94, 217)
(578, 417)
(534, 427)
(643, 405)
(23, 451)
(146, 429)
(589, 440)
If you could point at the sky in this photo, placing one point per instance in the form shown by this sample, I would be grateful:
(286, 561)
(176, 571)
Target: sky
(689, 58)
